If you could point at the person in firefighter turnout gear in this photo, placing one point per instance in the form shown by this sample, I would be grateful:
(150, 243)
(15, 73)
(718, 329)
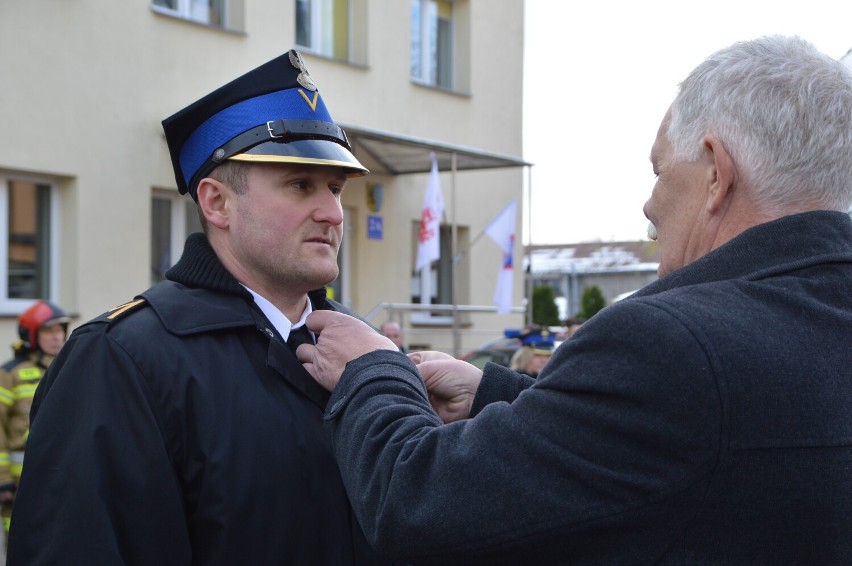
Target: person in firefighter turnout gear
(42, 330)
(179, 428)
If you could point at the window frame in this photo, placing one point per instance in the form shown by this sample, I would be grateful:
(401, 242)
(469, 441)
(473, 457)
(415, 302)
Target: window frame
(184, 12)
(180, 207)
(441, 273)
(322, 29)
(16, 306)
(425, 63)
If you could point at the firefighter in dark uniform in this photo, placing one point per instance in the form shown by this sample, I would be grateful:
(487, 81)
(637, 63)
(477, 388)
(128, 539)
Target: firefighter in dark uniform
(180, 428)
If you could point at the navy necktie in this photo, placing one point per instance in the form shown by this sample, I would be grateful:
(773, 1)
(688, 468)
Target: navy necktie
(299, 336)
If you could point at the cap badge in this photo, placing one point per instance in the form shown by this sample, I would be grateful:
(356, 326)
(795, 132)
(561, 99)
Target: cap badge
(304, 78)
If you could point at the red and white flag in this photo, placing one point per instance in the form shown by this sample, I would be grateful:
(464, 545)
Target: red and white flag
(429, 247)
(502, 231)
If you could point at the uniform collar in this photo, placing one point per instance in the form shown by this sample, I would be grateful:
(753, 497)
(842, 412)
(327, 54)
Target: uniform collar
(200, 267)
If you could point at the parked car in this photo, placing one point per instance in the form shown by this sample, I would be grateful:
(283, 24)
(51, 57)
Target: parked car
(501, 350)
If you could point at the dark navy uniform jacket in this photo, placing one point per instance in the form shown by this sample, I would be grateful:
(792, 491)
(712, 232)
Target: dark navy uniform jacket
(706, 420)
(180, 429)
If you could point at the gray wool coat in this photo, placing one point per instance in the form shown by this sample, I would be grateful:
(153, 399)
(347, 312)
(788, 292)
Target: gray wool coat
(705, 420)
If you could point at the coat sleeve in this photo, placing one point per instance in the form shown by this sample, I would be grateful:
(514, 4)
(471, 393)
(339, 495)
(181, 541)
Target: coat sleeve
(611, 448)
(499, 384)
(98, 486)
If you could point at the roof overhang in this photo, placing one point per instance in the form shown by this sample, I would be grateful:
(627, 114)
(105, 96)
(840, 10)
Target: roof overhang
(398, 154)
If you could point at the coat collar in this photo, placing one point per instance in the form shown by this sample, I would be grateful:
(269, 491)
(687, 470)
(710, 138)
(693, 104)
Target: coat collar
(201, 295)
(198, 272)
(200, 267)
(788, 243)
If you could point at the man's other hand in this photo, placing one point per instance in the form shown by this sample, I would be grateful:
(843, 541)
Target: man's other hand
(451, 383)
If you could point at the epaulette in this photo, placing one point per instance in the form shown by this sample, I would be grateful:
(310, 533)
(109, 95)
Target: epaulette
(117, 313)
(113, 315)
(123, 310)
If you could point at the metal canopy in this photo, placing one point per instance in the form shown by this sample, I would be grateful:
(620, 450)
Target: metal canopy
(397, 154)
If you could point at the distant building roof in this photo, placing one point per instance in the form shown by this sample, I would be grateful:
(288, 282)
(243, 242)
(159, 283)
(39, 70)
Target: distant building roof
(593, 257)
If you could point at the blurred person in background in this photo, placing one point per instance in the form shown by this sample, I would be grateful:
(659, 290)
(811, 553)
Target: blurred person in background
(42, 331)
(536, 349)
(393, 331)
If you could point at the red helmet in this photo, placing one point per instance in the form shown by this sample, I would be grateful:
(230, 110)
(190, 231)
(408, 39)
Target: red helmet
(42, 313)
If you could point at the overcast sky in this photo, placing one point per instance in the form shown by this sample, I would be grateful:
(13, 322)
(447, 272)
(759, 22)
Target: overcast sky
(598, 78)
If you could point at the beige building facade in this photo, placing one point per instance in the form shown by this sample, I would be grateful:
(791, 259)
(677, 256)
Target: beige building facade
(89, 211)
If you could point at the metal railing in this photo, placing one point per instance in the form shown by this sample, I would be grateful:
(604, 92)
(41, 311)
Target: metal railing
(395, 311)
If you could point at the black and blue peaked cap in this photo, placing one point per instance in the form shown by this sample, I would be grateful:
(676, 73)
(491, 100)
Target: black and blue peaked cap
(273, 114)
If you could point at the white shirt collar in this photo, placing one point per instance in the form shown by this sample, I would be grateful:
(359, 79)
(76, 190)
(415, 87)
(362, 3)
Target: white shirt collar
(281, 323)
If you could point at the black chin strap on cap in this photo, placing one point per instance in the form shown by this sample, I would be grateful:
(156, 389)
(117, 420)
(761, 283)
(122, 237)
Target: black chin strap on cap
(282, 131)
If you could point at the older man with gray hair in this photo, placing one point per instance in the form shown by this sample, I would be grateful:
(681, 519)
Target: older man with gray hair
(707, 419)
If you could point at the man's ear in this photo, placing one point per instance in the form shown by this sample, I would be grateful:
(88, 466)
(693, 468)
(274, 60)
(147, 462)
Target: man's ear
(213, 200)
(722, 175)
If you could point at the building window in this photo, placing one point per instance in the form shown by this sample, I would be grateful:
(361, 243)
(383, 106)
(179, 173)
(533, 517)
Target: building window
(210, 12)
(28, 219)
(432, 42)
(173, 218)
(323, 27)
(440, 281)
(440, 277)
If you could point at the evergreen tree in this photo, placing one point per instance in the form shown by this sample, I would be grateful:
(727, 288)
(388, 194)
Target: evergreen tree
(592, 301)
(544, 309)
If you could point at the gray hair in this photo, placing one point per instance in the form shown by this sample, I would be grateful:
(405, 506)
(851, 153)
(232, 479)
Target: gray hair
(783, 110)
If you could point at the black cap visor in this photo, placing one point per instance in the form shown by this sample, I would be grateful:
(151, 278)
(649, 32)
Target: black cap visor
(305, 151)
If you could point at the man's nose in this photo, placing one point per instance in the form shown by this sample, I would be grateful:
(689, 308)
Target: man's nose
(329, 209)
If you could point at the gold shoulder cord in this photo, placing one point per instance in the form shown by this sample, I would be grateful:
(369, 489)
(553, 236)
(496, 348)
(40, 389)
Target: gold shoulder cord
(121, 309)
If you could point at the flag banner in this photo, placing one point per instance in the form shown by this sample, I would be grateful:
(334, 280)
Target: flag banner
(502, 231)
(429, 241)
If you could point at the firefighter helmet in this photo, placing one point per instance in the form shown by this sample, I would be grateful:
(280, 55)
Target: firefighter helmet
(42, 313)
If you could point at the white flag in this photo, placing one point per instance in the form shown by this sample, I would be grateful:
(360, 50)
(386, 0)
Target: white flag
(502, 231)
(429, 247)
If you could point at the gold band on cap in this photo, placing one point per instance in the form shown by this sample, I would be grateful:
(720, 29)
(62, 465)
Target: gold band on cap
(355, 170)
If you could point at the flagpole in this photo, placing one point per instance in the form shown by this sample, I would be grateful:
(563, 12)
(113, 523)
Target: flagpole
(458, 257)
(528, 272)
(453, 247)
